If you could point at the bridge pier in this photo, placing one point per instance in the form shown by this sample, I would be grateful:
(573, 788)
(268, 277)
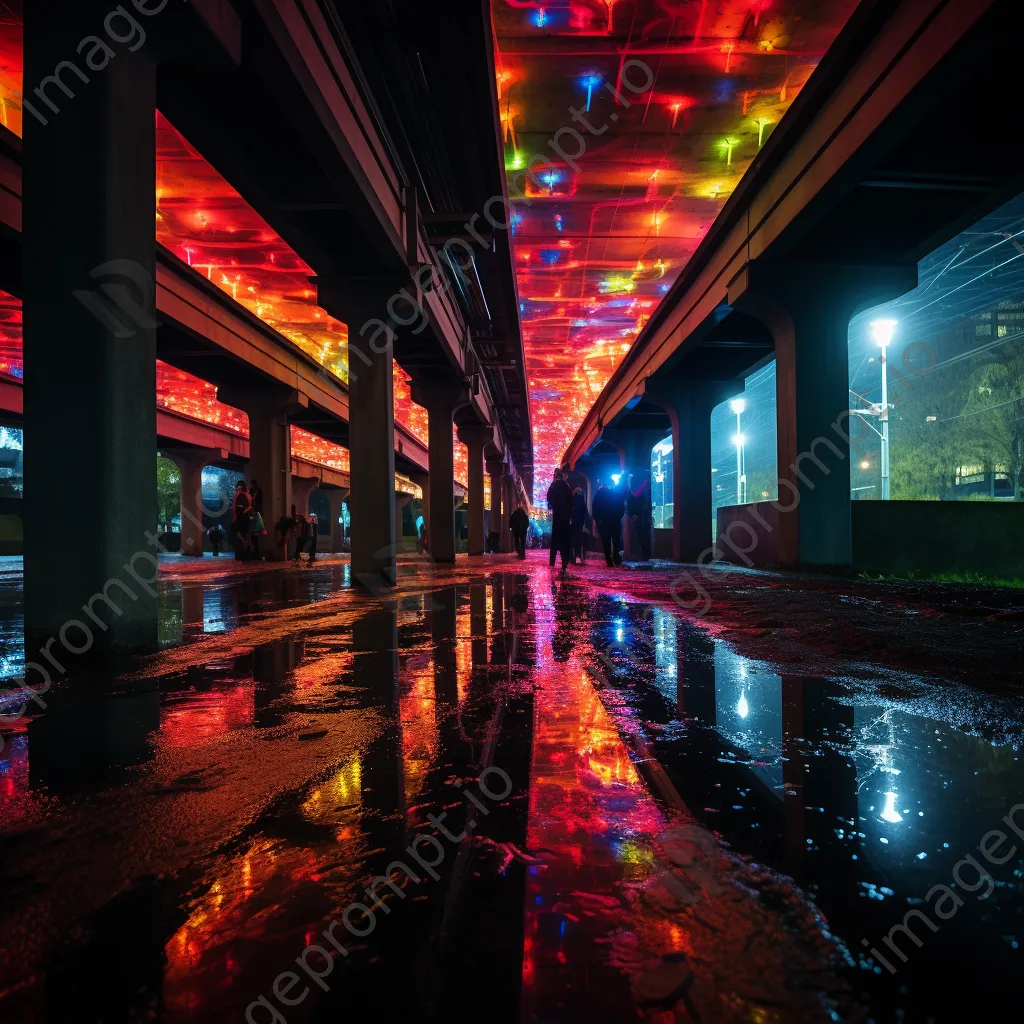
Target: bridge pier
(441, 397)
(372, 470)
(508, 504)
(302, 490)
(270, 451)
(688, 402)
(497, 519)
(475, 438)
(635, 453)
(88, 267)
(808, 310)
(190, 463)
(336, 495)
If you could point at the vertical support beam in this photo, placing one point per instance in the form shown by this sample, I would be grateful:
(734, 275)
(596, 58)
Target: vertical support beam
(508, 504)
(270, 451)
(336, 496)
(688, 402)
(498, 516)
(190, 464)
(475, 438)
(441, 397)
(372, 470)
(302, 490)
(88, 266)
(422, 480)
(808, 312)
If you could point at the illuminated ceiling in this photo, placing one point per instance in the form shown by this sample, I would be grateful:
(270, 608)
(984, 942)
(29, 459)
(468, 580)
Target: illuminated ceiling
(607, 224)
(208, 225)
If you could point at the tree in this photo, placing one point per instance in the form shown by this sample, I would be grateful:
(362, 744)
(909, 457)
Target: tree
(168, 493)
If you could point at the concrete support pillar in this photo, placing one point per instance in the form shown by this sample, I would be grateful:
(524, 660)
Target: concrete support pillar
(808, 311)
(336, 496)
(688, 402)
(499, 517)
(88, 265)
(475, 438)
(372, 471)
(635, 453)
(422, 480)
(508, 505)
(270, 451)
(441, 397)
(401, 500)
(190, 463)
(302, 489)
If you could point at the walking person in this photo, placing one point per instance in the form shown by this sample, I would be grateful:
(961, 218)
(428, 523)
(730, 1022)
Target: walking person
(560, 502)
(314, 530)
(641, 509)
(519, 524)
(301, 535)
(580, 519)
(241, 514)
(607, 511)
(216, 536)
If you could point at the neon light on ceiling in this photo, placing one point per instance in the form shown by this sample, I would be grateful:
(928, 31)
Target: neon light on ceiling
(208, 225)
(615, 208)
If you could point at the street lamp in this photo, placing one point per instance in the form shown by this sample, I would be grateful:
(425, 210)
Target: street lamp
(738, 405)
(882, 331)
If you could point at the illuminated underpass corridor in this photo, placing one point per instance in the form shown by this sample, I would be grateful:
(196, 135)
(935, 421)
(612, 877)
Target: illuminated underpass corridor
(673, 816)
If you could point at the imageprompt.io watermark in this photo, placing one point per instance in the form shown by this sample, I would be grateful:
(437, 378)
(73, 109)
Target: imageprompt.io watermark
(943, 900)
(359, 919)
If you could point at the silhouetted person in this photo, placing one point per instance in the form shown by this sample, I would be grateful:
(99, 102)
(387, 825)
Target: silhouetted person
(241, 514)
(301, 535)
(216, 535)
(640, 509)
(560, 502)
(580, 518)
(607, 511)
(519, 524)
(314, 530)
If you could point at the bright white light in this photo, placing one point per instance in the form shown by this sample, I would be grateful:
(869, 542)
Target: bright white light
(616, 477)
(743, 708)
(739, 440)
(889, 812)
(882, 331)
(738, 405)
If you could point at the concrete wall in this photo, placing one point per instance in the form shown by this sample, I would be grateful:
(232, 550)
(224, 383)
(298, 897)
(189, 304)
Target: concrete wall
(939, 536)
(749, 534)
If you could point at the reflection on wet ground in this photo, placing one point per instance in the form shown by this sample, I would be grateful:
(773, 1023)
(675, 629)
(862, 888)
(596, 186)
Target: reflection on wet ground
(690, 834)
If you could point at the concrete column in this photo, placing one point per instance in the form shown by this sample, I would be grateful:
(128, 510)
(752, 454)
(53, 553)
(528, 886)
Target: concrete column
(498, 518)
(508, 505)
(635, 452)
(190, 463)
(372, 471)
(688, 403)
(808, 311)
(88, 266)
(302, 489)
(441, 397)
(270, 450)
(401, 500)
(422, 480)
(475, 438)
(336, 496)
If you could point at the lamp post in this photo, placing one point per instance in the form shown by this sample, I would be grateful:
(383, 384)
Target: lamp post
(738, 405)
(882, 331)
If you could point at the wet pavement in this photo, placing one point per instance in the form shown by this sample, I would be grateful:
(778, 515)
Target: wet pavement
(521, 798)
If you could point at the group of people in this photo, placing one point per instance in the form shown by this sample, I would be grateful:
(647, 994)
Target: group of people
(622, 515)
(295, 533)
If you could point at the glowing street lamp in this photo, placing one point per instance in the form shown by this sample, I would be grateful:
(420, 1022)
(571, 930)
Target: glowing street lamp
(738, 405)
(882, 331)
